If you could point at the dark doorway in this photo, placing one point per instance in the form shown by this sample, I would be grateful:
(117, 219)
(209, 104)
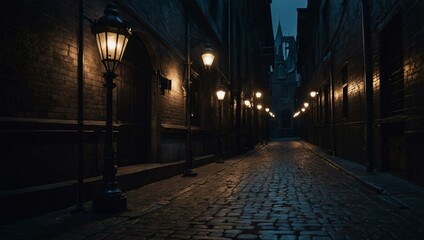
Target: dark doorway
(133, 105)
(393, 150)
(391, 69)
(392, 97)
(286, 118)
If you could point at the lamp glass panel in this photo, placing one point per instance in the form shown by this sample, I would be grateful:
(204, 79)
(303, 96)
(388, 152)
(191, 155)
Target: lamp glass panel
(220, 94)
(208, 59)
(111, 47)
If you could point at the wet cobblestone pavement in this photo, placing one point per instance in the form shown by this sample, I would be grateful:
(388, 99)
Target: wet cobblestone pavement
(282, 191)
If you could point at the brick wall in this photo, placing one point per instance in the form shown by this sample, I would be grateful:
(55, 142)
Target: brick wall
(345, 45)
(39, 92)
(38, 87)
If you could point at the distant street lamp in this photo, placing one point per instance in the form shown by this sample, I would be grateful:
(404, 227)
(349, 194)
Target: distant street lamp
(247, 103)
(112, 35)
(249, 121)
(220, 94)
(208, 56)
(259, 107)
(266, 109)
(258, 94)
(306, 105)
(313, 93)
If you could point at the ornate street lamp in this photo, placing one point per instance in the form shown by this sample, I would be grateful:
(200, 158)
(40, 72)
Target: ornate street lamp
(258, 94)
(306, 105)
(247, 103)
(208, 56)
(112, 35)
(220, 94)
(259, 107)
(313, 93)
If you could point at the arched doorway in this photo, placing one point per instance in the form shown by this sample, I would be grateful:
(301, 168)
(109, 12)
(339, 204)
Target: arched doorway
(133, 111)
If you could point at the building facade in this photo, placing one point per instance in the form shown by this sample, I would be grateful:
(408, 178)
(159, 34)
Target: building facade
(39, 97)
(364, 58)
(284, 84)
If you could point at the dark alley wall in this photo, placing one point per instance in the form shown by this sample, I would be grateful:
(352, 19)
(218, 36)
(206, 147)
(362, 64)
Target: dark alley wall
(331, 61)
(39, 97)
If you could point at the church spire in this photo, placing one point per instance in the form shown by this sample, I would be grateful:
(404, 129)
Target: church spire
(279, 31)
(279, 40)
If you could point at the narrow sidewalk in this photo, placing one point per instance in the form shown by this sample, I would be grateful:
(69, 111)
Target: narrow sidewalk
(395, 190)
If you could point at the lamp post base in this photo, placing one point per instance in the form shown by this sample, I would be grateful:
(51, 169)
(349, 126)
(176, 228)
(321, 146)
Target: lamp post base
(189, 173)
(109, 200)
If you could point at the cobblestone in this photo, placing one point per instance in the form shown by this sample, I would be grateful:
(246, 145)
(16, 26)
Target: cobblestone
(283, 191)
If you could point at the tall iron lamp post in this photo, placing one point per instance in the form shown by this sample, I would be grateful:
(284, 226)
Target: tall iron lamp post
(257, 100)
(220, 94)
(207, 58)
(259, 107)
(112, 35)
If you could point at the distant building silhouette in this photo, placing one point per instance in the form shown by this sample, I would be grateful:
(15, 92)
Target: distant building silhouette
(283, 84)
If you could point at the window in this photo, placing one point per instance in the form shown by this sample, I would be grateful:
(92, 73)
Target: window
(391, 68)
(345, 102)
(345, 91)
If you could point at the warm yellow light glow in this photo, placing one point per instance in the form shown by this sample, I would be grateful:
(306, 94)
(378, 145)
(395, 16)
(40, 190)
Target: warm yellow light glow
(306, 104)
(258, 94)
(259, 106)
(111, 47)
(220, 94)
(303, 109)
(266, 109)
(247, 103)
(208, 57)
(313, 94)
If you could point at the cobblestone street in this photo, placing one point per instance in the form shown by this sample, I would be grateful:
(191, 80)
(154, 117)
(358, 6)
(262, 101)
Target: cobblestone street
(282, 191)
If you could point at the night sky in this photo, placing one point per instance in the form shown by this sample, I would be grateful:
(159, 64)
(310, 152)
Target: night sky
(285, 11)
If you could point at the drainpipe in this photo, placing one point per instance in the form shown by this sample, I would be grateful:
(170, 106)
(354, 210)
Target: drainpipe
(80, 124)
(333, 104)
(368, 86)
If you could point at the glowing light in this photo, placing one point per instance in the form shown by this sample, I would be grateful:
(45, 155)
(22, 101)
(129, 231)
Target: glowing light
(313, 93)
